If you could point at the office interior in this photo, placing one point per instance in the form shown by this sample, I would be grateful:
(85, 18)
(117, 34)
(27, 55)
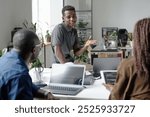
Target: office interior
(105, 13)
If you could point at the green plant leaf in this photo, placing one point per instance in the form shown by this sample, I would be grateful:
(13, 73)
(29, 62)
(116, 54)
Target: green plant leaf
(36, 63)
(1, 53)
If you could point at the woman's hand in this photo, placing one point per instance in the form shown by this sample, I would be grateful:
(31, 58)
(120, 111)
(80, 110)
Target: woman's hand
(108, 86)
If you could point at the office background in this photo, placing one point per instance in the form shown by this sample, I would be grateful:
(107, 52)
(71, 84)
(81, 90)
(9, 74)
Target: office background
(118, 13)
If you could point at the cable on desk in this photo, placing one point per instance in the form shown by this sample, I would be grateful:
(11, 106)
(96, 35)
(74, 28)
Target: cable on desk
(97, 78)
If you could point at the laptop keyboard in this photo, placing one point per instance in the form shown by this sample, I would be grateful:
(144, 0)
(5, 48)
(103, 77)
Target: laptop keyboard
(110, 77)
(64, 90)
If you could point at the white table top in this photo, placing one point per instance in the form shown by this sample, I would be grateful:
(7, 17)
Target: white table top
(96, 91)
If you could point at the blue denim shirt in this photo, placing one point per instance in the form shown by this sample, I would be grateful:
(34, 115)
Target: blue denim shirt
(15, 81)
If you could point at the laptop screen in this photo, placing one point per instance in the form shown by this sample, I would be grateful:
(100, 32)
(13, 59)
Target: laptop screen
(109, 76)
(105, 64)
(67, 74)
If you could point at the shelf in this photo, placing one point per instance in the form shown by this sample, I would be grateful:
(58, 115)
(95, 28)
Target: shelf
(80, 5)
(83, 10)
(84, 28)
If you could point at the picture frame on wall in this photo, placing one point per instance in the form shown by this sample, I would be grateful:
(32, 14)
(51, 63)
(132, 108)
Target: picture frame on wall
(110, 37)
(108, 31)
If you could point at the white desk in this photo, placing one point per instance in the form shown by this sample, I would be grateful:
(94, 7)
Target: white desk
(92, 92)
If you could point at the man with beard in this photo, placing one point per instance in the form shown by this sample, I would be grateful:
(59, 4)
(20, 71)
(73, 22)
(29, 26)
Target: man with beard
(15, 81)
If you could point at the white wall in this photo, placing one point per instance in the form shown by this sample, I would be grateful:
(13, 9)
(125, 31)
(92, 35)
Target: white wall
(118, 13)
(22, 11)
(55, 7)
(12, 13)
(6, 11)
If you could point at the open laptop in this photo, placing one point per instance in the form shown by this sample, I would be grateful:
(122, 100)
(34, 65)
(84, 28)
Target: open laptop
(66, 79)
(109, 76)
(105, 64)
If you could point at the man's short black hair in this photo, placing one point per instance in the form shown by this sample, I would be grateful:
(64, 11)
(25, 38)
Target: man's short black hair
(68, 8)
(25, 40)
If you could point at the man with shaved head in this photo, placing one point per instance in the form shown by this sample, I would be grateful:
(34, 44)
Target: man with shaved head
(15, 81)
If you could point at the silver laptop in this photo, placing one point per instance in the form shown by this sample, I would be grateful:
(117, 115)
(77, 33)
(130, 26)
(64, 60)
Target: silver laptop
(66, 79)
(105, 64)
(109, 76)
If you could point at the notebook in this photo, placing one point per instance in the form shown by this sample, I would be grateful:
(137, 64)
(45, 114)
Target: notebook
(109, 76)
(105, 64)
(66, 79)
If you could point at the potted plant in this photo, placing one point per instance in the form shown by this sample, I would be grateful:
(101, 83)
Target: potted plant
(48, 36)
(84, 56)
(110, 39)
(31, 26)
(37, 66)
(36, 63)
(82, 24)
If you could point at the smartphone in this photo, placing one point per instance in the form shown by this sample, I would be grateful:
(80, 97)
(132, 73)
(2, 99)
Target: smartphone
(90, 37)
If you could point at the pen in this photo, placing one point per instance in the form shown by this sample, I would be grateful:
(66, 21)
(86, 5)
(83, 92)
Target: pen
(90, 37)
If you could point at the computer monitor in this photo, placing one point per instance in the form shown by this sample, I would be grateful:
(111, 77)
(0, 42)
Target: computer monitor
(105, 64)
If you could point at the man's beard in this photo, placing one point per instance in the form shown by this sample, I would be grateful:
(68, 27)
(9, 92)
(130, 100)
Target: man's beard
(33, 58)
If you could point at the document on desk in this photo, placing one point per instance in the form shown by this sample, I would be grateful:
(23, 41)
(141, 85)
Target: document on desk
(88, 73)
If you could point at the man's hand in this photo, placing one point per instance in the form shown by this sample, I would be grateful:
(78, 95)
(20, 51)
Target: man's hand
(50, 96)
(43, 94)
(90, 42)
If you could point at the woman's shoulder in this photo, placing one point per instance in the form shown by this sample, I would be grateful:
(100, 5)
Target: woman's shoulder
(127, 64)
(128, 61)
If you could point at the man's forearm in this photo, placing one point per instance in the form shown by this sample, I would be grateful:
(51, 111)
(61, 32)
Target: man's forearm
(45, 95)
(79, 52)
(60, 57)
(59, 54)
(87, 44)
